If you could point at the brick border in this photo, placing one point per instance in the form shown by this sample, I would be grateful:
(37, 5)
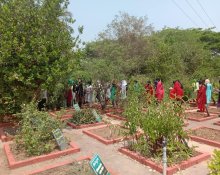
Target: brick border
(203, 140)
(217, 123)
(85, 125)
(116, 116)
(212, 116)
(63, 164)
(16, 164)
(170, 170)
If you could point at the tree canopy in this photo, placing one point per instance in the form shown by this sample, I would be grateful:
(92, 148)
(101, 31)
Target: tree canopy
(36, 49)
(129, 47)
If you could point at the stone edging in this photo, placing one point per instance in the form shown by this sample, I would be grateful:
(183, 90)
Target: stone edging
(170, 170)
(16, 164)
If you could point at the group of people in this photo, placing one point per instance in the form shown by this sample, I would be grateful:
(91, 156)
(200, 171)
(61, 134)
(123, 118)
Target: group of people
(88, 93)
(113, 92)
(176, 92)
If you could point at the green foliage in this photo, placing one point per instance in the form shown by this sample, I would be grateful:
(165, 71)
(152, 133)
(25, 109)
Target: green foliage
(159, 121)
(35, 135)
(84, 116)
(169, 54)
(214, 164)
(36, 50)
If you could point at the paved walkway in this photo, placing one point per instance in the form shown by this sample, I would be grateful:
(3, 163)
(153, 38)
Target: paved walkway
(121, 164)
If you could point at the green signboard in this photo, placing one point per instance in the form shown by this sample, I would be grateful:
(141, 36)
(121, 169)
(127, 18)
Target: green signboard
(98, 166)
(76, 107)
(97, 116)
(61, 141)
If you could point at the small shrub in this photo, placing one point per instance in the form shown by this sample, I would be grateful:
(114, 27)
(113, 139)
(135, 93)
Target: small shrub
(160, 121)
(36, 135)
(214, 164)
(84, 116)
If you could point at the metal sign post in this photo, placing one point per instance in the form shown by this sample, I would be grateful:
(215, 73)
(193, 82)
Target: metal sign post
(164, 156)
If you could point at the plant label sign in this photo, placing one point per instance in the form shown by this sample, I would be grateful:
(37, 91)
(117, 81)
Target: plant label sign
(61, 141)
(76, 107)
(98, 166)
(97, 116)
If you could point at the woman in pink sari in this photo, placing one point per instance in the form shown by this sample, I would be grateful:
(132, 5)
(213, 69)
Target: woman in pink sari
(159, 91)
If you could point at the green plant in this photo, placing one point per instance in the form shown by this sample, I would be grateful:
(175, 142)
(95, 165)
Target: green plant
(35, 135)
(84, 116)
(214, 164)
(160, 121)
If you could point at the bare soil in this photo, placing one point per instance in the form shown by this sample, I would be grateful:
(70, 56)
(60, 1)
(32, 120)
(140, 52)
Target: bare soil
(207, 133)
(11, 131)
(8, 118)
(76, 168)
(118, 113)
(110, 132)
(196, 114)
(21, 154)
(65, 112)
(214, 110)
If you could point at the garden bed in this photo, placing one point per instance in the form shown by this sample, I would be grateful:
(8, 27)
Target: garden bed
(74, 126)
(214, 110)
(170, 170)
(7, 120)
(19, 159)
(116, 116)
(7, 133)
(107, 134)
(217, 123)
(79, 166)
(67, 114)
(206, 135)
(199, 116)
(192, 104)
(85, 118)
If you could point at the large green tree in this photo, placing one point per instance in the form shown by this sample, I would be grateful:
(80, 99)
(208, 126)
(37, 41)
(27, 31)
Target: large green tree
(36, 49)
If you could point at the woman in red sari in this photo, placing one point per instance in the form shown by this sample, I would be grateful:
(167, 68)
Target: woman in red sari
(201, 98)
(159, 91)
(178, 90)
